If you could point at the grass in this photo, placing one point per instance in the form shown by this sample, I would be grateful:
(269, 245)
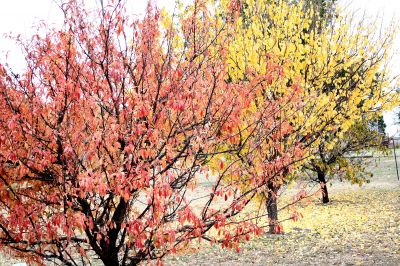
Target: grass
(360, 226)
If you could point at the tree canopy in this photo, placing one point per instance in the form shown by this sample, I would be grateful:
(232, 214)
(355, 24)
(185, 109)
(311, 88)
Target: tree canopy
(109, 134)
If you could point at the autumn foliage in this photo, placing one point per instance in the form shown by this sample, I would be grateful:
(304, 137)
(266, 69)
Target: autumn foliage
(340, 63)
(109, 135)
(106, 135)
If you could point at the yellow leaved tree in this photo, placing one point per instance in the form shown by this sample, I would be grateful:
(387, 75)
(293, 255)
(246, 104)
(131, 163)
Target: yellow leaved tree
(341, 66)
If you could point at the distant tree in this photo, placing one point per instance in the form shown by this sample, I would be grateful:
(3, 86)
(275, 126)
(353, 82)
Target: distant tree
(323, 11)
(378, 124)
(346, 160)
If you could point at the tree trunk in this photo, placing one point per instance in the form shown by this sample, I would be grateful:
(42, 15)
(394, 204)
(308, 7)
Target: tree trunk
(272, 208)
(324, 188)
(110, 260)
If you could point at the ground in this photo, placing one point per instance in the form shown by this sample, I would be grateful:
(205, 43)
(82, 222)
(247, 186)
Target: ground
(354, 229)
(360, 226)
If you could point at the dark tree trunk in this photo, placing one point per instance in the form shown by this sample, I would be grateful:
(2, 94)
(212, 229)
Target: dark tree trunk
(111, 260)
(109, 247)
(324, 188)
(272, 208)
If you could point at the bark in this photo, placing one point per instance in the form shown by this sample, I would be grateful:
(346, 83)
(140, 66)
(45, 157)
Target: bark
(324, 188)
(110, 260)
(272, 207)
(110, 250)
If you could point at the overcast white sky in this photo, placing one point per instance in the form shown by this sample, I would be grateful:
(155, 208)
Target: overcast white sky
(18, 16)
(387, 10)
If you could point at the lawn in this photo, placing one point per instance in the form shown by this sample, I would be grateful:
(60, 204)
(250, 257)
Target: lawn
(360, 226)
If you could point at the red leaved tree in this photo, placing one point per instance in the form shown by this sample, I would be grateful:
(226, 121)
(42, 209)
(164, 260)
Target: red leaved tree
(107, 135)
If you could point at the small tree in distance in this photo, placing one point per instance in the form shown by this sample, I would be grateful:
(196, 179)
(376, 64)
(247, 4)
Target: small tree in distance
(346, 160)
(107, 134)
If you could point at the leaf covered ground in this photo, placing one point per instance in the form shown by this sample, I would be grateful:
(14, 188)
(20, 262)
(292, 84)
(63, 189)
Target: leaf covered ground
(360, 226)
